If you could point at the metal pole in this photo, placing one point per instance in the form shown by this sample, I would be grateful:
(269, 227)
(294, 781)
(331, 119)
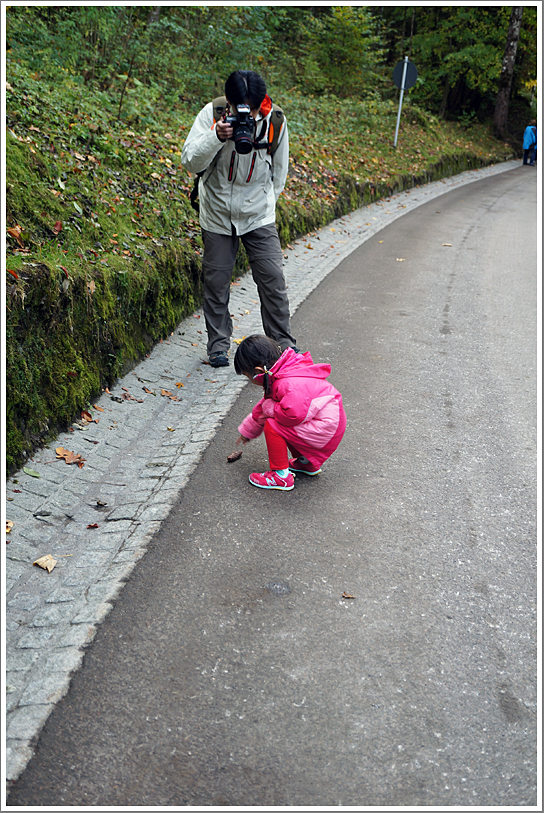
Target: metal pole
(401, 95)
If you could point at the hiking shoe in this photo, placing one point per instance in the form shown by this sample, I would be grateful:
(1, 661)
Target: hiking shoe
(305, 468)
(271, 479)
(218, 359)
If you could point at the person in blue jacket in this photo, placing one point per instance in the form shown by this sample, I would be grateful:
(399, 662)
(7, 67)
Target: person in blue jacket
(529, 144)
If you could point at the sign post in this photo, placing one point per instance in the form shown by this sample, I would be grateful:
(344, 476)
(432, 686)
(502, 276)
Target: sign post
(404, 77)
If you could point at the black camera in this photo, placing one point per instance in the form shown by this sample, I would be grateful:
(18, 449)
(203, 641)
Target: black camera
(243, 125)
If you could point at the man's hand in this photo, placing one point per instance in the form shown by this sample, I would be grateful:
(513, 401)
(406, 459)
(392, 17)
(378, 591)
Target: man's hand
(223, 130)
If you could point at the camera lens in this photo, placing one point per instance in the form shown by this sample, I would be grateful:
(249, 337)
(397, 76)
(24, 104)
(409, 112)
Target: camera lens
(243, 140)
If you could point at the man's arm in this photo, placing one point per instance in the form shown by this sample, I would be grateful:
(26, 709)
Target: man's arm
(203, 143)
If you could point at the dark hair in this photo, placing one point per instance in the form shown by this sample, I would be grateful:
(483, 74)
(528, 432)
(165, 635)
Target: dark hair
(256, 351)
(245, 87)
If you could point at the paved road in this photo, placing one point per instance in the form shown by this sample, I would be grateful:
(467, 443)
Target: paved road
(231, 671)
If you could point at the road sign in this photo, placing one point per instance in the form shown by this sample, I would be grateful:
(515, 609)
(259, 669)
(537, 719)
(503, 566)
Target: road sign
(409, 79)
(404, 76)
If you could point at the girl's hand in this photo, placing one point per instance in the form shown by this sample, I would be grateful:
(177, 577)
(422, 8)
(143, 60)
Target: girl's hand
(242, 440)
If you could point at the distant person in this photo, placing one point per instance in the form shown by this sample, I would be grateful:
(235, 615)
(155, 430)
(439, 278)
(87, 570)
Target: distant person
(242, 178)
(533, 156)
(300, 412)
(529, 144)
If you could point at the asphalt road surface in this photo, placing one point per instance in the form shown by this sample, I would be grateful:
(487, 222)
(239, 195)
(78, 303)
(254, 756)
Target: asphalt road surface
(233, 672)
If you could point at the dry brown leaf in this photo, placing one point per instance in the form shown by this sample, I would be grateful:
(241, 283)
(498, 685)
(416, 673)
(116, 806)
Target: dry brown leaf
(47, 562)
(234, 456)
(347, 595)
(167, 393)
(70, 457)
(98, 408)
(9, 526)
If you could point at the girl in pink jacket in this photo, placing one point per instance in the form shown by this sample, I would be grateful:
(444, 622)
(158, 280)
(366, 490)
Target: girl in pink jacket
(300, 411)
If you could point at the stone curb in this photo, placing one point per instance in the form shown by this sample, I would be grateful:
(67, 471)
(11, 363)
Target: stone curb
(97, 521)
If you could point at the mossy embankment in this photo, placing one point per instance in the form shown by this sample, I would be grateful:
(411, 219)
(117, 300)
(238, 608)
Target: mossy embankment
(104, 250)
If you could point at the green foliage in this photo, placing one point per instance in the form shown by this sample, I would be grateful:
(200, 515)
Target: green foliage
(458, 51)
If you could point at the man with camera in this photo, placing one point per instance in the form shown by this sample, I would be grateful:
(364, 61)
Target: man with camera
(239, 148)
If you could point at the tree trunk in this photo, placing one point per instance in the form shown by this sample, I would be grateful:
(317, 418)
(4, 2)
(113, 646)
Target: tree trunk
(154, 15)
(505, 81)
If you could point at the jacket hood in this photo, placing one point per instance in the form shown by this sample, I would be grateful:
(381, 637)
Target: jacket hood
(296, 365)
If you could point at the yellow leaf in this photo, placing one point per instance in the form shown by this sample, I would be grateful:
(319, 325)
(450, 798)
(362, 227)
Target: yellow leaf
(170, 429)
(447, 244)
(9, 526)
(47, 562)
(179, 384)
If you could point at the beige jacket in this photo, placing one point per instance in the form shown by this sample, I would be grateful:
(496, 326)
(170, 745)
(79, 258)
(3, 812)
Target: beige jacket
(235, 190)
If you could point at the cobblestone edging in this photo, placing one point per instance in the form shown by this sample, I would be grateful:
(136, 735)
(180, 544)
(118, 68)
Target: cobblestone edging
(138, 458)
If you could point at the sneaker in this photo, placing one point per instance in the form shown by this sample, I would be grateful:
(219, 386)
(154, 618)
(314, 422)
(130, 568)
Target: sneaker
(306, 468)
(218, 359)
(271, 479)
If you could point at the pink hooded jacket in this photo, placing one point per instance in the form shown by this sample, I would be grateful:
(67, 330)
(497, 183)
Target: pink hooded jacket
(306, 409)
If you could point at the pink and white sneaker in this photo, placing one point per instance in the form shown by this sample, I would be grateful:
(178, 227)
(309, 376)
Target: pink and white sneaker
(305, 468)
(271, 479)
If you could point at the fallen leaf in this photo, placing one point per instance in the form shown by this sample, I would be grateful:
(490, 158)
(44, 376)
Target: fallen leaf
(400, 260)
(31, 472)
(13, 273)
(47, 562)
(347, 595)
(86, 416)
(98, 408)
(447, 244)
(179, 384)
(170, 429)
(150, 392)
(91, 286)
(234, 456)
(94, 525)
(71, 375)
(167, 393)
(58, 225)
(70, 457)
(9, 526)
(100, 502)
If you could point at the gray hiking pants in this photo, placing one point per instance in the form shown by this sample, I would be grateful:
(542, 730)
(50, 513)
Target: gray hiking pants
(266, 262)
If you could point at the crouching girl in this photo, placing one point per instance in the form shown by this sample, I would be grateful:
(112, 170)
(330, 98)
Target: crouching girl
(300, 411)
